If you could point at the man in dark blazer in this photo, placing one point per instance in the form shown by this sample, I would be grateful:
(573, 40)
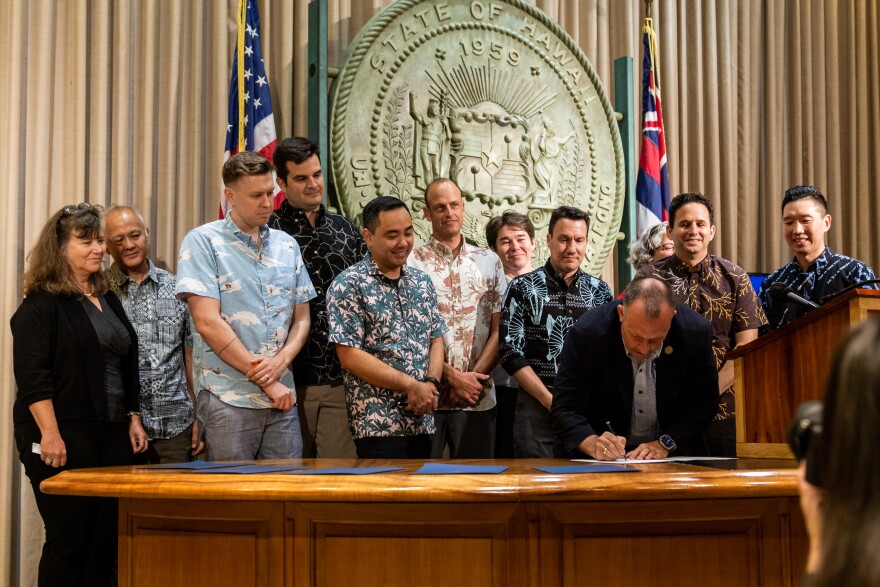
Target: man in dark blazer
(636, 378)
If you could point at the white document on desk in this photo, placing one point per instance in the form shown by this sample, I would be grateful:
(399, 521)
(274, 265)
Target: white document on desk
(666, 460)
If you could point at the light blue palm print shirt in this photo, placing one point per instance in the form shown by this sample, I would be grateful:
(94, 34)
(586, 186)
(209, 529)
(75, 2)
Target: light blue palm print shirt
(258, 289)
(394, 323)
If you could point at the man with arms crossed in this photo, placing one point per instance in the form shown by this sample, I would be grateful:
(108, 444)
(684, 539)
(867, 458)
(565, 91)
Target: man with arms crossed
(164, 340)
(470, 283)
(388, 334)
(329, 244)
(248, 292)
(815, 272)
(716, 288)
(539, 309)
(642, 369)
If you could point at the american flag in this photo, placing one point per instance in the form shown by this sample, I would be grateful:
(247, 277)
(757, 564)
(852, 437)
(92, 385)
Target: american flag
(251, 124)
(652, 184)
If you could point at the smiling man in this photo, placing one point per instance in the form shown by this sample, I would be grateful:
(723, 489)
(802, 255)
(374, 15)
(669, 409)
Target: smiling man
(539, 309)
(164, 340)
(329, 244)
(716, 288)
(248, 293)
(815, 272)
(388, 333)
(470, 283)
(642, 369)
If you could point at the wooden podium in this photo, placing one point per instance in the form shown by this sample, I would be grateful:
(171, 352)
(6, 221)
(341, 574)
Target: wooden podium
(775, 373)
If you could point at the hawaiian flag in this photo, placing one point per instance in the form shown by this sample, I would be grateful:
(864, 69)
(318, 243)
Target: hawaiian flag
(652, 184)
(251, 124)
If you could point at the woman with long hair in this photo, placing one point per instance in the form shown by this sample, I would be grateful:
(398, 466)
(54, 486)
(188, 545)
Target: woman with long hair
(75, 362)
(843, 517)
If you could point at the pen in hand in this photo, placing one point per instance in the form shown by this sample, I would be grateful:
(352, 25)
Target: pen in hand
(611, 430)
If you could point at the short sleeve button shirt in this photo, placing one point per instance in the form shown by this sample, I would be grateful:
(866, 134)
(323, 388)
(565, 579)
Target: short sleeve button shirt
(258, 289)
(538, 311)
(394, 323)
(162, 325)
(470, 287)
(719, 290)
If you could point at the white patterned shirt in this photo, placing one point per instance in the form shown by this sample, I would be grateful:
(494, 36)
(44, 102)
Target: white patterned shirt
(258, 289)
(470, 288)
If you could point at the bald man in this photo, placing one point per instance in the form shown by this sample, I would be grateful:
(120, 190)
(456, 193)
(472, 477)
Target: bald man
(164, 340)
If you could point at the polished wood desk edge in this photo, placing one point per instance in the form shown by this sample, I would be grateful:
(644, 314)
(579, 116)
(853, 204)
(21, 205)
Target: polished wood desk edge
(668, 481)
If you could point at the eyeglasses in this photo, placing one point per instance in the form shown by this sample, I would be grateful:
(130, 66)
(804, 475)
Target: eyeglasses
(74, 209)
(68, 210)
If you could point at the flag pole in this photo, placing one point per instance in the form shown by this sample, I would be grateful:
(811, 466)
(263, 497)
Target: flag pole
(242, 23)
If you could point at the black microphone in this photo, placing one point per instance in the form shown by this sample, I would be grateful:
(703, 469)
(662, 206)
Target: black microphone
(782, 292)
(858, 285)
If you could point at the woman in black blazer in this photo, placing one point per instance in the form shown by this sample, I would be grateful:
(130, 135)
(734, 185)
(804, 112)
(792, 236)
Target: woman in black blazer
(75, 363)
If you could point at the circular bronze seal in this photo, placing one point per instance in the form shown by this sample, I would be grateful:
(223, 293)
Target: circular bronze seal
(490, 93)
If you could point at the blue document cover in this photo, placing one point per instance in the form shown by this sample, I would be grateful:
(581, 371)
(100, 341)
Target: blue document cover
(444, 469)
(252, 469)
(195, 465)
(347, 471)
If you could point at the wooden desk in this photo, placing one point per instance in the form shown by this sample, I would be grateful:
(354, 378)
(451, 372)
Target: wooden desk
(669, 524)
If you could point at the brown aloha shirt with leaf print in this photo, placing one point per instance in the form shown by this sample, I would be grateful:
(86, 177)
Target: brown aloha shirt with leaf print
(722, 292)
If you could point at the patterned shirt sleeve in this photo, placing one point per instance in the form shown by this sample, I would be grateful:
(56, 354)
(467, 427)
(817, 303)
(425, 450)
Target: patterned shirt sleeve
(748, 313)
(345, 322)
(196, 267)
(304, 291)
(511, 333)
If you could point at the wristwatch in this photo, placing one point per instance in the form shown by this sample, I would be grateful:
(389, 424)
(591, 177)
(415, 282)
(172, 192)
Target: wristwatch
(432, 380)
(667, 443)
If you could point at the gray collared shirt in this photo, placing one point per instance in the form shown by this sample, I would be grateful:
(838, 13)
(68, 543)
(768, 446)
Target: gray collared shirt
(162, 325)
(643, 425)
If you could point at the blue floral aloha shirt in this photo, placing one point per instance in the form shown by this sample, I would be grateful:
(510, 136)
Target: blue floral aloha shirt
(258, 289)
(395, 324)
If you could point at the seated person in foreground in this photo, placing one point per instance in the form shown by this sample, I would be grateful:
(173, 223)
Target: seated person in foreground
(815, 272)
(642, 368)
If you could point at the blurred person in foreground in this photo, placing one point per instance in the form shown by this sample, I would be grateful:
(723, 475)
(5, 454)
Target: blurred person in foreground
(843, 517)
(75, 363)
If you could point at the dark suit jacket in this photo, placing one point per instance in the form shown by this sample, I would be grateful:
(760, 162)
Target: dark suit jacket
(594, 382)
(56, 355)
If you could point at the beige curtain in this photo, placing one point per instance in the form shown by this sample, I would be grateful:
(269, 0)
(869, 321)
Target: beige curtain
(123, 101)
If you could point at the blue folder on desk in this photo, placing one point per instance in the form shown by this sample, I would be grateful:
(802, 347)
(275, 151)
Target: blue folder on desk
(449, 469)
(194, 465)
(347, 471)
(252, 469)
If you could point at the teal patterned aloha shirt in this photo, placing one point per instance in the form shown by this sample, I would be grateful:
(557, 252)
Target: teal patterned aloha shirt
(394, 324)
(258, 289)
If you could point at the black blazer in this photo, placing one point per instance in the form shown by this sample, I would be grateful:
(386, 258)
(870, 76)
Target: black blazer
(594, 382)
(56, 355)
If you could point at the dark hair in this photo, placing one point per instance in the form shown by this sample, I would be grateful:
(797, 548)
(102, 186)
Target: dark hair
(438, 181)
(245, 164)
(568, 213)
(654, 293)
(851, 430)
(48, 268)
(641, 250)
(376, 206)
(295, 150)
(799, 192)
(508, 218)
(690, 198)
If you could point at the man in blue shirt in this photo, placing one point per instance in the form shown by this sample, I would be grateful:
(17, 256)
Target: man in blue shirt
(248, 292)
(164, 340)
(815, 272)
